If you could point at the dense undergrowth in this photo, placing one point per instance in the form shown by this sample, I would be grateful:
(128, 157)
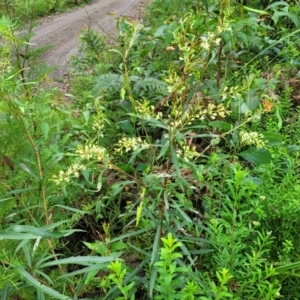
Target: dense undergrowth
(22, 10)
(173, 173)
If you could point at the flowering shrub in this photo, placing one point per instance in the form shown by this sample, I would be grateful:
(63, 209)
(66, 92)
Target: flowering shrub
(174, 172)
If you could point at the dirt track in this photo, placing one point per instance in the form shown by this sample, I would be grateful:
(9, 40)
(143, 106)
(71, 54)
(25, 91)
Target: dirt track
(62, 31)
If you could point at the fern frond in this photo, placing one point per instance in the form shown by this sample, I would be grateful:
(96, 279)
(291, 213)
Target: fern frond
(8, 29)
(108, 84)
(149, 85)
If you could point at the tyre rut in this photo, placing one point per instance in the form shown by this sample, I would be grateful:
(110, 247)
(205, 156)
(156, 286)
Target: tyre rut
(62, 31)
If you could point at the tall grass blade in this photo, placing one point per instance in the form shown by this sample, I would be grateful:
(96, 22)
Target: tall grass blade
(41, 287)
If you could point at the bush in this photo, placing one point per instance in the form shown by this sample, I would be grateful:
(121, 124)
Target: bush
(174, 174)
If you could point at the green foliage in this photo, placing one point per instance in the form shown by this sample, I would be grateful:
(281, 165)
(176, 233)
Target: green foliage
(23, 9)
(173, 174)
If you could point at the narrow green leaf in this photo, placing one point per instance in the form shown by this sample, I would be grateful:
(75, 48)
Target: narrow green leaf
(279, 124)
(139, 211)
(28, 254)
(153, 277)
(44, 258)
(260, 12)
(40, 295)
(79, 260)
(139, 250)
(175, 160)
(201, 252)
(90, 276)
(75, 210)
(164, 150)
(37, 232)
(41, 287)
(5, 292)
(29, 171)
(286, 267)
(85, 270)
(16, 236)
(130, 234)
(277, 3)
(181, 212)
(49, 280)
(156, 246)
(5, 199)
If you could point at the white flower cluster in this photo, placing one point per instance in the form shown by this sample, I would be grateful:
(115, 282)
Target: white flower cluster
(188, 153)
(130, 144)
(252, 138)
(88, 152)
(210, 112)
(98, 126)
(65, 176)
(209, 40)
(145, 109)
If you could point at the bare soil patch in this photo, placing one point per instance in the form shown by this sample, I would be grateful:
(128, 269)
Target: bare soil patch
(62, 31)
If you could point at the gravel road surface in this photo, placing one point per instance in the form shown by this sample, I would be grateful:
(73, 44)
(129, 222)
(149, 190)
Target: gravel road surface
(62, 30)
